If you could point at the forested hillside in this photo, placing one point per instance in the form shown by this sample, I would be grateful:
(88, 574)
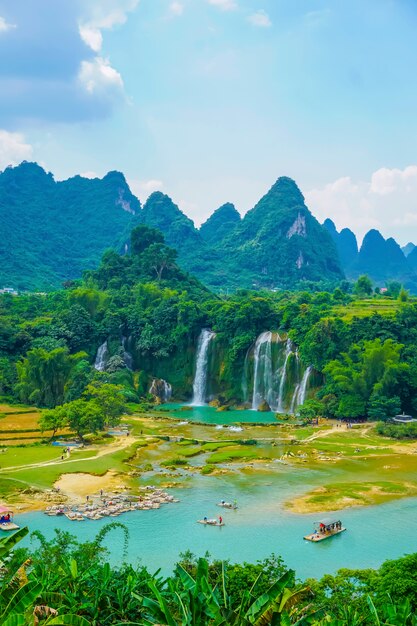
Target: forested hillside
(52, 231)
(146, 314)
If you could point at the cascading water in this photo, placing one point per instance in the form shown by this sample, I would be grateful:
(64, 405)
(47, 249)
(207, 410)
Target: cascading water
(283, 376)
(303, 386)
(263, 375)
(127, 357)
(200, 378)
(161, 389)
(278, 376)
(101, 358)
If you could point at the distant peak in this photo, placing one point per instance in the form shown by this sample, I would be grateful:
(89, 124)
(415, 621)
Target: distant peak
(286, 185)
(115, 176)
(373, 235)
(158, 195)
(330, 225)
(227, 211)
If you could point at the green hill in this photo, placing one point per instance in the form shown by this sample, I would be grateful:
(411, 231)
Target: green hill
(52, 231)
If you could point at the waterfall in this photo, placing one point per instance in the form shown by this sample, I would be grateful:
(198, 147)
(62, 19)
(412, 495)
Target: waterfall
(127, 357)
(200, 378)
(245, 390)
(283, 376)
(279, 378)
(101, 358)
(263, 375)
(303, 386)
(161, 389)
(167, 391)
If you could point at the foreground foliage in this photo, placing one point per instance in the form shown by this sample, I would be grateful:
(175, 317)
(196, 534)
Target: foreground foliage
(64, 582)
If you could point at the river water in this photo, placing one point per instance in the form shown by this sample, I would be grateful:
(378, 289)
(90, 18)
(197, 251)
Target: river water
(259, 527)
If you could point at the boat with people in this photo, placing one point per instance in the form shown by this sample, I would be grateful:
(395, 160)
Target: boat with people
(211, 522)
(325, 528)
(6, 519)
(228, 505)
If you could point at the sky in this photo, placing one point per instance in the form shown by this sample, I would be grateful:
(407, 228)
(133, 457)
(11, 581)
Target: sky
(210, 101)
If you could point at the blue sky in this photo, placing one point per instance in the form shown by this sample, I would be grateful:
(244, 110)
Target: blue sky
(212, 100)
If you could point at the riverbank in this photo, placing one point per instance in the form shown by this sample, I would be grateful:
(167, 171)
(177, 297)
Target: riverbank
(331, 467)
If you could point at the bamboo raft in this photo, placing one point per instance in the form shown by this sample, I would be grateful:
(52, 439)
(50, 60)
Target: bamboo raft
(6, 519)
(9, 526)
(227, 505)
(324, 529)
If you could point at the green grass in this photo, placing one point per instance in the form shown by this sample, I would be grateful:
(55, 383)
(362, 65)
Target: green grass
(44, 477)
(28, 455)
(212, 446)
(237, 453)
(366, 307)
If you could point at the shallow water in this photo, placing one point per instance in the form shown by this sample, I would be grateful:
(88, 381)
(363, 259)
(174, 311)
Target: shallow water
(209, 415)
(260, 526)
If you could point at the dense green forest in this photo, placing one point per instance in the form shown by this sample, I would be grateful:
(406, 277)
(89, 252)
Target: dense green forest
(61, 581)
(149, 314)
(52, 231)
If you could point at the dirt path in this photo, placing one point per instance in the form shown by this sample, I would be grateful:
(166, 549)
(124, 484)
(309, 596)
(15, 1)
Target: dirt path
(363, 432)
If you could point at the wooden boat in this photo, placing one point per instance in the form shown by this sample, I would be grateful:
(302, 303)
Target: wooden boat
(6, 519)
(210, 522)
(324, 529)
(228, 505)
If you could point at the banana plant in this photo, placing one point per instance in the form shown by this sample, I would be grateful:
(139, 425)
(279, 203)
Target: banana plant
(19, 603)
(188, 601)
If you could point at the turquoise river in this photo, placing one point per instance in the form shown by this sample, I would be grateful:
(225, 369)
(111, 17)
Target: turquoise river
(259, 527)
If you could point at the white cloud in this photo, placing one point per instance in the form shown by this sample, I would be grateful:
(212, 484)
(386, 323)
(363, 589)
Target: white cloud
(387, 201)
(98, 75)
(4, 26)
(224, 5)
(143, 188)
(91, 36)
(13, 149)
(260, 18)
(89, 174)
(103, 14)
(385, 180)
(176, 8)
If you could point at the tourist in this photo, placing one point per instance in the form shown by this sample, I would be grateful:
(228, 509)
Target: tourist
(220, 519)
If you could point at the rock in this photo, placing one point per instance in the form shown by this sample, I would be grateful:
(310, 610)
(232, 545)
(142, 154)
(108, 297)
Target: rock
(264, 407)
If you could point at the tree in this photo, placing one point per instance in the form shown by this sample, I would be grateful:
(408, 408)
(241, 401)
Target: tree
(43, 375)
(84, 417)
(403, 295)
(142, 237)
(110, 400)
(363, 287)
(311, 409)
(157, 258)
(394, 288)
(382, 407)
(53, 419)
(371, 368)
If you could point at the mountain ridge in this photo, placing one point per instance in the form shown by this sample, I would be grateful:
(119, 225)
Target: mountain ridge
(54, 230)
